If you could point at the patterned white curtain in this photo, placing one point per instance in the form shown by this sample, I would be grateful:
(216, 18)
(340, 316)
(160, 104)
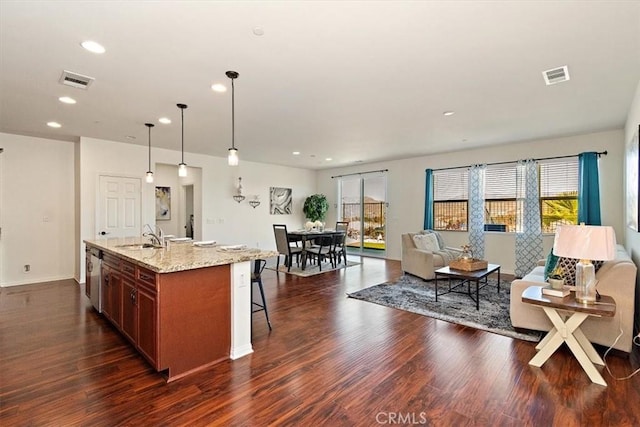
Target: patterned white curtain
(528, 228)
(476, 210)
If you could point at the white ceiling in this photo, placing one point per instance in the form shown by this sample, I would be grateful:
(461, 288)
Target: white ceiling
(354, 81)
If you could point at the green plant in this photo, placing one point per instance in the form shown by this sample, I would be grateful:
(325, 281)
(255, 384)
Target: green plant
(315, 207)
(556, 273)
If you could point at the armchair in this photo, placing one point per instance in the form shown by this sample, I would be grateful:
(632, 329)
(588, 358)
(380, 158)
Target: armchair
(423, 262)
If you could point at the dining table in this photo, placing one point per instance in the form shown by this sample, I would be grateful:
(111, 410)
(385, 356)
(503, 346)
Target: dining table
(308, 235)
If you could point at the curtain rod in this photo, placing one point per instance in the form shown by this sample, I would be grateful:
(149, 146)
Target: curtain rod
(602, 153)
(359, 173)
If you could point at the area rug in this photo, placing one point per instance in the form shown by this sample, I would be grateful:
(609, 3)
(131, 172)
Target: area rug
(310, 270)
(413, 294)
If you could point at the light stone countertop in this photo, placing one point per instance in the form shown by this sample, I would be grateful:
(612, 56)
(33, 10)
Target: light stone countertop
(178, 256)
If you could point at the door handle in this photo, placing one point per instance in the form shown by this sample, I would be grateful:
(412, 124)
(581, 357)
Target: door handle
(102, 233)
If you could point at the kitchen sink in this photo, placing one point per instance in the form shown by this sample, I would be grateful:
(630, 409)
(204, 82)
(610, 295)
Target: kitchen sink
(138, 246)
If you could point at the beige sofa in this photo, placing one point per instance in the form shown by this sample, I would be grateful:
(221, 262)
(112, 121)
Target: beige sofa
(616, 278)
(422, 262)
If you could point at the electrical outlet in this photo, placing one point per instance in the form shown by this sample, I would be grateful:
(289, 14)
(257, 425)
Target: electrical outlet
(27, 268)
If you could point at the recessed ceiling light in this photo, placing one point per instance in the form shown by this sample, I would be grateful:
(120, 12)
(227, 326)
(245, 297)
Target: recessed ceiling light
(164, 120)
(129, 137)
(449, 113)
(258, 31)
(54, 125)
(67, 100)
(328, 159)
(296, 153)
(92, 46)
(218, 87)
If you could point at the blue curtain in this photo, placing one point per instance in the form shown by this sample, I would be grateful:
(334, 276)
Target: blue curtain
(476, 210)
(428, 200)
(528, 230)
(588, 189)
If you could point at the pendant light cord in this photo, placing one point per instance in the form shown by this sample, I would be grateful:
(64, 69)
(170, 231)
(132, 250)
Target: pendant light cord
(149, 148)
(233, 115)
(182, 116)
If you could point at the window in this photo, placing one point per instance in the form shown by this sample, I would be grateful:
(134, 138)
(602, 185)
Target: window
(500, 204)
(450, 199)
(558, 184)
(558, 193)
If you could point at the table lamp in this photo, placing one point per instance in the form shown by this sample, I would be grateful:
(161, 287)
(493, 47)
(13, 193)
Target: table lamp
(586, 243)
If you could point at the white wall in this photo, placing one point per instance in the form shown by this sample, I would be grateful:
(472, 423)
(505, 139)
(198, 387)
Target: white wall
(38, 213)
(222, 218)
(406, 187)
(632, 241)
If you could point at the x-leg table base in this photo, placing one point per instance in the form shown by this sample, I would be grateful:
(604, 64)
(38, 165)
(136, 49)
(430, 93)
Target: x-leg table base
(569, 331)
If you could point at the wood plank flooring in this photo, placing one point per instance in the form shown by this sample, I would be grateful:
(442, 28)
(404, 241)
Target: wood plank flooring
(329, 360)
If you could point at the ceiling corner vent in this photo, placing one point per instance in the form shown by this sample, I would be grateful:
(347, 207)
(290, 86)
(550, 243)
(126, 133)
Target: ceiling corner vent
(556, 75)
(76, 80)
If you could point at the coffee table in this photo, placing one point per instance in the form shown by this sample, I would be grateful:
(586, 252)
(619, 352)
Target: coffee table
(467, 278)
(567, 315)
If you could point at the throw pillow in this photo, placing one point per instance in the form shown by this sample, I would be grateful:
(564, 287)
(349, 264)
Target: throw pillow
(427, 242)
(550, 265)
(568, 266)
(438, 236)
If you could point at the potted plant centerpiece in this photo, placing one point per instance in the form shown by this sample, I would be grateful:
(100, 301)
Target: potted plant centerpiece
(555, 279)
(315, 209)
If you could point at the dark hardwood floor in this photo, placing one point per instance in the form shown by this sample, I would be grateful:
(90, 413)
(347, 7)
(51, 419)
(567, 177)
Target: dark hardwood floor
(329, 360)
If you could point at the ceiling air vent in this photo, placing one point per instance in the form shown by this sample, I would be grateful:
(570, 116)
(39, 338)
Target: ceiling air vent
(556, 75)
(75, 80)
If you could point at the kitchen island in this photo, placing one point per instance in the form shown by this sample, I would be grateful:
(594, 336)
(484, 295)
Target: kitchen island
(184, 307)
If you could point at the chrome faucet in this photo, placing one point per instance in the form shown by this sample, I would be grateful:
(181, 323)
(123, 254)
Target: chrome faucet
(156, 237)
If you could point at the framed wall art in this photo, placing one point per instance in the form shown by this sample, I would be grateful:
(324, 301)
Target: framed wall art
(281, 201)
(633, 179)
(163, 203)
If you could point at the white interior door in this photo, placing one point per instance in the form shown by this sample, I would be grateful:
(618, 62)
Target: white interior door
(119, 207)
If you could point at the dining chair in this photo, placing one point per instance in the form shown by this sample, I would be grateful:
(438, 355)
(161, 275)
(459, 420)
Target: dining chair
(322, 250)
(339, 250)
(256, 277)
(283, 246)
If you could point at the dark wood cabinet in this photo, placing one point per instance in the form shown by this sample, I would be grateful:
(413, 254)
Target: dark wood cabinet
(129, 309)
(178, 321)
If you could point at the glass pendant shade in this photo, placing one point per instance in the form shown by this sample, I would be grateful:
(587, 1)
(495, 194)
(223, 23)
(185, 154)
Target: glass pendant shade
(182, 170)
(233, 157)
(149, 177)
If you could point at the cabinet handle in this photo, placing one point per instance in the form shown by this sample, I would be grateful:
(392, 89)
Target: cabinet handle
(133, 296)
(106, 280)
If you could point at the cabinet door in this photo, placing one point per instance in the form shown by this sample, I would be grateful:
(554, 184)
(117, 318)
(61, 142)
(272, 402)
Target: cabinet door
(106, 291)
(129, 309)
(115, 285)
(147, 325)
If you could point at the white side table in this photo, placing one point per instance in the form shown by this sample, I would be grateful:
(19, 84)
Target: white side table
(567, 315)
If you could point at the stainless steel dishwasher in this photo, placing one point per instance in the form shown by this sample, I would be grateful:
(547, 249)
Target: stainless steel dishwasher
(94, 269)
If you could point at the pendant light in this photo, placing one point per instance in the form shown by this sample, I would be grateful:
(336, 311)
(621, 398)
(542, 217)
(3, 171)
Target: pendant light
(233, 152)
(149, 178)
(182, 166)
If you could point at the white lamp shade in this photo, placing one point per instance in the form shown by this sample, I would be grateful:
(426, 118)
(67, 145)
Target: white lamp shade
(149, 177)
(589, 242)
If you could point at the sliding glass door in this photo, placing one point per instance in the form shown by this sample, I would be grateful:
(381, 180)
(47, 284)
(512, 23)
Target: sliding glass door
(363, 203)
